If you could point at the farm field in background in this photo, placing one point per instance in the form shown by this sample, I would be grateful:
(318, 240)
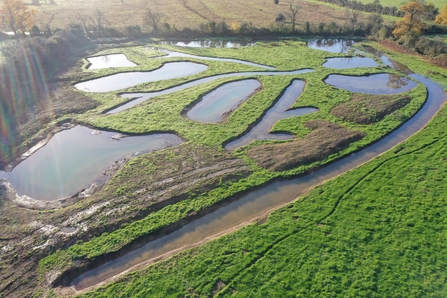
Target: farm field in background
(185, 13)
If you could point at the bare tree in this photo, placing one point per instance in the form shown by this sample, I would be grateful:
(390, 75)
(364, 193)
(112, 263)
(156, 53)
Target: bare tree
(292, 12)
(98, 20)
(153, 19)
(84, 19)
(352, 17)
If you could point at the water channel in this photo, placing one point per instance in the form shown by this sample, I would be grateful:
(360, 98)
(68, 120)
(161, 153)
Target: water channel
(74, 158)
(280, 110)
(262, 201)
(123, 80)
(172, 54)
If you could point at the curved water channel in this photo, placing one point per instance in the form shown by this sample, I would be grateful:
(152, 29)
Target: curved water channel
(280, 110)
(123, 80)
(260, 202)
(172, 54)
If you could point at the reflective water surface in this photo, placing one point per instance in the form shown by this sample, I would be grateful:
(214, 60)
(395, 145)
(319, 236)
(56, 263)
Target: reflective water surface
(139, 97)
(221, 101)
(209, 43)
(108, 61)
(333, 45)
(74, 158)
(349, 62)
(261, 131)
(171, 54)
(123, 80)
(382, 83)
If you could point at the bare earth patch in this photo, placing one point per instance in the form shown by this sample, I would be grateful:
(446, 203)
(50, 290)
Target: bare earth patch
(145, 184)
(325, 139)
(369, 108)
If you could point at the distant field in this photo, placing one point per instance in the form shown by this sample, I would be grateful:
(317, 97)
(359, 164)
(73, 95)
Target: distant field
(185, 13)
(437, 3)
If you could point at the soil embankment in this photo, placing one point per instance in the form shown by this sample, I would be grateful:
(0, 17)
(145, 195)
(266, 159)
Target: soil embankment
(325, 139)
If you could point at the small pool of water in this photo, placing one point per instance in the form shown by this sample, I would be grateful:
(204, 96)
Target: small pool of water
(349, 62)
(279, 111)
(74, 158)
(217, 104)
(123, 80)
(382, 83)
(209, 43)
(108, 61)
(335, 45)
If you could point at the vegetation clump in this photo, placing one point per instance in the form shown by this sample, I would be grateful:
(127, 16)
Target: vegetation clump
(369, 108)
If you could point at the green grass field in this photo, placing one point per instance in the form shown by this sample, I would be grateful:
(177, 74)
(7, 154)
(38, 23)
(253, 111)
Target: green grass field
(438, 3)
(230, 260)
(377, 231)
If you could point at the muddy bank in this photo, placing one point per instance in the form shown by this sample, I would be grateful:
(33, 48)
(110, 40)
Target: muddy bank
(325, 139)
(152, 182)
(368, 108)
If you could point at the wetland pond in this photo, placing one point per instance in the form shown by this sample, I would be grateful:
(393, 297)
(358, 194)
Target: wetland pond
(217, 104)
(108, 61)
(335, 45)
(349, 62)
(123, 80)
(74, 158)
(382, 83)
(209, 43)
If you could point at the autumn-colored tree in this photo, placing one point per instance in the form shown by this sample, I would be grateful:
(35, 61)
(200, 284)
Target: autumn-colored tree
(16, 16)
(441, 18)
(412, 21)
